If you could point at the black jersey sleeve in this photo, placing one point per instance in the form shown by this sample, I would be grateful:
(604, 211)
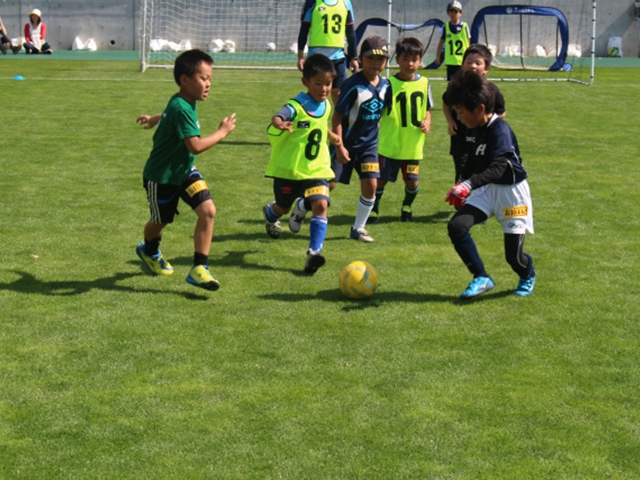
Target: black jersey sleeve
(492, 174)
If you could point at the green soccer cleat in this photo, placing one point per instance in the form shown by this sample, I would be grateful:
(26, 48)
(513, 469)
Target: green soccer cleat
(201, 277)
(155, 263)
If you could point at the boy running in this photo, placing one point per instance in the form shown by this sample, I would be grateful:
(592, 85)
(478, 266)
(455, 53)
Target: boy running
(300, 163)
(170, 174)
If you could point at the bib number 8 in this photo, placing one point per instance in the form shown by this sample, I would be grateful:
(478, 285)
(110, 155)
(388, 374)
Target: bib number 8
(314, 143)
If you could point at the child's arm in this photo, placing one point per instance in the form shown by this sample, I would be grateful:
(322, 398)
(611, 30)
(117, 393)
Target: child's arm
(335, 140)
(198, 145)
(148, 121)
(439, 51)
(279, 123)
(336, 125)
(425, 125)
(452, 127)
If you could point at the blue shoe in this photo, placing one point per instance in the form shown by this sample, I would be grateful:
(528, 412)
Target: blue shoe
(477, 286)
(201, 277)
(525, 286)
(360, 234)
(155, 263)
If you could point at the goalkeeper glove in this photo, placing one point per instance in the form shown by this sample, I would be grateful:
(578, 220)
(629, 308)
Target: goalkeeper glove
(458, 193)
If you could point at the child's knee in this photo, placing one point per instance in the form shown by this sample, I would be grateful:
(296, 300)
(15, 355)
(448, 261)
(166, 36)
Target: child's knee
(206, 211)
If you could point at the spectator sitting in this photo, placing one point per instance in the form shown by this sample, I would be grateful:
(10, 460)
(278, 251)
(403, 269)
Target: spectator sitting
(5, 42)
(34, 33)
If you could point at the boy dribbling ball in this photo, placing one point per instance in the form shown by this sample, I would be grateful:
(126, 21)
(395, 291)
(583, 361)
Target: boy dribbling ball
(170, 174)
(494, 183)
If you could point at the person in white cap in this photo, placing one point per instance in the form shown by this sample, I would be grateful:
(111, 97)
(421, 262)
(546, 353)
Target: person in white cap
(455, 38)
(35, 32)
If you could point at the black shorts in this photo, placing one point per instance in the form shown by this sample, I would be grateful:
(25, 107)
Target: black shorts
(341, 73)
(286, 191)
(163, 198)
(389, 169)
(365, 163)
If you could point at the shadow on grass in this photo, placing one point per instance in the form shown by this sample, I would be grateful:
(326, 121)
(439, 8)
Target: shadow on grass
(28, 283)
(382, 297)
(237, 259)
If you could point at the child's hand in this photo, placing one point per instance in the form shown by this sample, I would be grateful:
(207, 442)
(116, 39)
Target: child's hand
(425, 126)
(288, 126)
(148, 121)
(342, 154)
(335, 140)
(452, 128)
(228, 124)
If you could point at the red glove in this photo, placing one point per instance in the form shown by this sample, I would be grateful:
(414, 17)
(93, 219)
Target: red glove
(458, 193)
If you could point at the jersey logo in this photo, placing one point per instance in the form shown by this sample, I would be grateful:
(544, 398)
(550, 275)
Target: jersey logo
(481, 149)
(374, 106)
(370, 167)
(196, 187)
(304, 124)
(512, 212)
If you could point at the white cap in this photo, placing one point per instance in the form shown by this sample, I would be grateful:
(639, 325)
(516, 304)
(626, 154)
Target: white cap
(454, 6)
(37, 12)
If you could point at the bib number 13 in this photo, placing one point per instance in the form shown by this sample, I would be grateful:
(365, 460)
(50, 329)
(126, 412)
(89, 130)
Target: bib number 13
(336, 23)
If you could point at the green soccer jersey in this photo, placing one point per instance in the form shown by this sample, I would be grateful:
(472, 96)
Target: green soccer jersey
(455, 44)
(304, 153)
(400, 135)
(170, 160)
(328, 24)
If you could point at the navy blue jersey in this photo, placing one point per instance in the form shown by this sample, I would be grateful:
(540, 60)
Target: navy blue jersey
(494, 156)
(361, 104)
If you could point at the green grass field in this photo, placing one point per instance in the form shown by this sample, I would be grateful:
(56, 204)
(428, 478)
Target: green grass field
(108, 372)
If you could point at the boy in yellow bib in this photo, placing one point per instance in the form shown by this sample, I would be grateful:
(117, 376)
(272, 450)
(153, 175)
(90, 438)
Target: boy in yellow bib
(300, 164)
(403, 127)
(456, 39)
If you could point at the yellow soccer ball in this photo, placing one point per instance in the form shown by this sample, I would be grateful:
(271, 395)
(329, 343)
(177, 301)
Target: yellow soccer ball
(358, 280)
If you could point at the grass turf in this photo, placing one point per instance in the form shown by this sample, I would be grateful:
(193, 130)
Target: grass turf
(108, 372)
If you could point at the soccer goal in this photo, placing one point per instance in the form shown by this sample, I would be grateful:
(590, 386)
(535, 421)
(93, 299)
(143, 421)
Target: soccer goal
(539, 43)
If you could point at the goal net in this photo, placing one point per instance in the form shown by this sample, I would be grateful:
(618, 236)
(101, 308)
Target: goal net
(264, 33)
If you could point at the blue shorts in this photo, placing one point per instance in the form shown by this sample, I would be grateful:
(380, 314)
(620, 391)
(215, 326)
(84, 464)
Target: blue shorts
(286, 191)
(163, 198)
(365, 163)
(389, 169)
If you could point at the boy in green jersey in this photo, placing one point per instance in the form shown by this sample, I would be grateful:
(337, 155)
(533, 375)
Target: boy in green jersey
(300, 164)
(170, 174)
(455, 38)
(403, 127)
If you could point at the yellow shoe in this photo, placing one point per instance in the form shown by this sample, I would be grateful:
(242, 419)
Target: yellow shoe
(201, 277)
(156, 264)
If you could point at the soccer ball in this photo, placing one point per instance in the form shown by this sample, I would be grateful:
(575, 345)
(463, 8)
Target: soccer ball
(358, 280)
(614, 52)
(271, 47)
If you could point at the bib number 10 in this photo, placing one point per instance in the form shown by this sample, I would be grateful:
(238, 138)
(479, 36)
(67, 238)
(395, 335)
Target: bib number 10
(417, 103)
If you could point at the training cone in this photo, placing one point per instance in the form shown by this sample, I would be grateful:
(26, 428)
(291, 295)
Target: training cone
(18, 77)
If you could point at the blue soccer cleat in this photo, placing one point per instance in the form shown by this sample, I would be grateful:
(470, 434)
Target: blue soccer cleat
(478, 286)
(525, 286)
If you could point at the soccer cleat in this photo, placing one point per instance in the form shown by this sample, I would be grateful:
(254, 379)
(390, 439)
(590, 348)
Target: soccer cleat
(525, 286)
(477, 286)
(155, 263)
(373, 218)
(361, 234)
(314, 262)
(296, 218)
(272, 228)
(201, 277)
(405, 213)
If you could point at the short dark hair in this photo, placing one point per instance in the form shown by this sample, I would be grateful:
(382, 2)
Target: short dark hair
(410, 46)
(318, 63)
(188, 62)
(479, 49)
(470, 90)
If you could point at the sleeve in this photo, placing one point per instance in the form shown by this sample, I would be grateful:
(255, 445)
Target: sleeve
(345, 100)
(43, 31)
(351, 18)
(352, 45)
(466, 29)
(499, 106)
(305, 24)
(186, 125)
(286, 113)
(492, 174)
(429, 97)
(27, 33)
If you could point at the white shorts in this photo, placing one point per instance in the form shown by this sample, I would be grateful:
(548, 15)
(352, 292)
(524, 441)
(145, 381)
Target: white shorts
(510, 204)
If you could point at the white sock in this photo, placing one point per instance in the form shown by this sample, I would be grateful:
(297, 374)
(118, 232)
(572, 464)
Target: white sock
(365, 205)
